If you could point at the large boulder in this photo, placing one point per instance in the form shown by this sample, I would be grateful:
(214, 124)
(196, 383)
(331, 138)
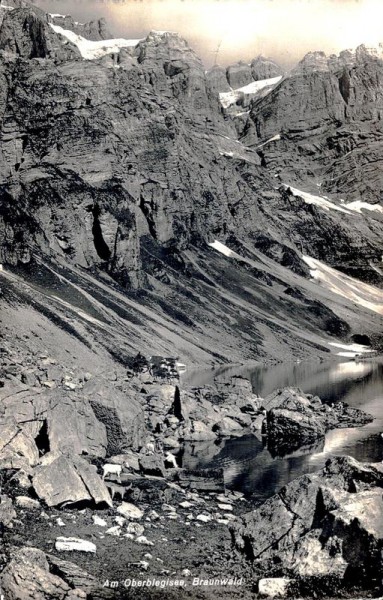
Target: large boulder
(313, 558)
(7, 512)
(17, 446)
(120, 412)
(61, 481)
(152, 464)
(260, 531)
(295, 419)
(52, 420)
(27, 576)
(74, 575)
(292, 428)
(73, 426)
(326, 525)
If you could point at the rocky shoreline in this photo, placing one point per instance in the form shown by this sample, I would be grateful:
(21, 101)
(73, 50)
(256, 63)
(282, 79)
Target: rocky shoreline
(94, 495)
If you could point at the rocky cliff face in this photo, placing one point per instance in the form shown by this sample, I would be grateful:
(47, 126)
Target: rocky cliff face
(94, 30)
(241, 74)
(127, 164)
(328, 114)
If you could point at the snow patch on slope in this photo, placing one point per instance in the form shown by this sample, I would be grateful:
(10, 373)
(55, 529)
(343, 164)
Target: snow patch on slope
(352, 207)
(91, 50)
(221, 248)
(229, 98)
(358, 206)
(255, 86)
(318, 201)
(350, 350)
(275, 138)
(360, 293)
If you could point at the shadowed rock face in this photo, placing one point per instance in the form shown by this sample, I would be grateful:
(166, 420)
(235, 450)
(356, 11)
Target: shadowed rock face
(239, 75)
(25, 33)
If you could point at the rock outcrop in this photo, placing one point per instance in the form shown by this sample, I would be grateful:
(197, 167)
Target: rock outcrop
(322, 528)
(28, 573)
(198, 414)
(64, 481)
(295, 419)
(239, 75)
(25, 34)
(95, 30)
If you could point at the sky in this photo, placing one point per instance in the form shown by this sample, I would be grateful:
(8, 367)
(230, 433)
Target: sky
(234, 30)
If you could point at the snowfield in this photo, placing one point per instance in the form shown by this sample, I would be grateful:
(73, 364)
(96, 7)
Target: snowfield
(275, 138)
(229, 98)
(360, 293)
(352, 207)
(358, 206)
(317, 200)
(350, 350)
(91, 50)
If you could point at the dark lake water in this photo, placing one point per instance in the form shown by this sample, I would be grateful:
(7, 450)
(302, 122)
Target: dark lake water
(249, 466)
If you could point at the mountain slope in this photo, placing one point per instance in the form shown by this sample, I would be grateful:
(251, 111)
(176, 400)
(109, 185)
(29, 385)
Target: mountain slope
(118, 172)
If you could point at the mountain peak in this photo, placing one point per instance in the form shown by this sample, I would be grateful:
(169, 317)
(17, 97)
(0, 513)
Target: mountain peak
(319, 61)
(94, 30)
(265, 68)
(25, 32)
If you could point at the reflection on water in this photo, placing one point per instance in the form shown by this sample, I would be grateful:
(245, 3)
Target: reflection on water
(250, 467)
